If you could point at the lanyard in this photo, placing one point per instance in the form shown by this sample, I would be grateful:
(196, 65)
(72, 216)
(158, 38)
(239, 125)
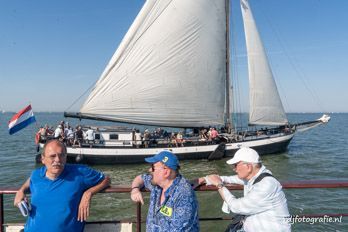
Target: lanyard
(171, 193)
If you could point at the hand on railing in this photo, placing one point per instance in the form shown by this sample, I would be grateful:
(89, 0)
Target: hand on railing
(213, 180)
(136, 195)
(207, 180)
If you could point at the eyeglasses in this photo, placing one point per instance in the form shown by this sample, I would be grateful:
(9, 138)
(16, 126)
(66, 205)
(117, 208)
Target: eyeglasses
(153, 168)
(236, 164)
(59, 155)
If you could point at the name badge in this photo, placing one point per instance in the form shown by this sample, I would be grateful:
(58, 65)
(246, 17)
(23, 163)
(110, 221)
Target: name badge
(166, 211)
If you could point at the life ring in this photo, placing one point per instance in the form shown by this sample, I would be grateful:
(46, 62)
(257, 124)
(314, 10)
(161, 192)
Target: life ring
(37, 138)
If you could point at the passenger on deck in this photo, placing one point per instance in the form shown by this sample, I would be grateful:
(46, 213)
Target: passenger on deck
(62, 124)
(213, 134)
(259, 132)
(160, 132)
(59, 133)
(264, 202)
(50, 130)
(38, 136)
(78, 136)
(137, 138)
(90, 136)
(173, 142)
(173, 204)
(165, 135)
(209, 133)
(179, 139)
(43, 133)
(69, 135)
(146, 138)
(287, 130)
(203, 135)
(60, 192)
(133, 135)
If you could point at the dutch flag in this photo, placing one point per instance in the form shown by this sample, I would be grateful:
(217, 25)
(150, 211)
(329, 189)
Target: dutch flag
(20, 120)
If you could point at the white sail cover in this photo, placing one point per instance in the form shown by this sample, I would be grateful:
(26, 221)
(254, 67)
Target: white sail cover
(265, 104)
(169, 69)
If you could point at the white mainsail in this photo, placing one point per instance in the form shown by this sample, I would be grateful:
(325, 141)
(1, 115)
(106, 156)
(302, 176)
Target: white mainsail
(169, 69)
(265, 104)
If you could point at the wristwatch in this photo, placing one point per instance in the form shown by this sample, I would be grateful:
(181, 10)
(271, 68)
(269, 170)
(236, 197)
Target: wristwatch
(220, 185)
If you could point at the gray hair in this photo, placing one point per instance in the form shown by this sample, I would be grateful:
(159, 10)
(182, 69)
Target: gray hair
(257, 165)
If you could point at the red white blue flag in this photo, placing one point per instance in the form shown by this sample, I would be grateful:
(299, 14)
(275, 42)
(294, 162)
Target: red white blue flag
(20, 120)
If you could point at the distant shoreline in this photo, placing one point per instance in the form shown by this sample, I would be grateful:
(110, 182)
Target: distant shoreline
(61, 112)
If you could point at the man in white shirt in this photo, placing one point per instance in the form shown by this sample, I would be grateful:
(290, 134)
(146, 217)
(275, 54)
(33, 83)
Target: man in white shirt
(90, 136)
(58, 133)
(264, 203)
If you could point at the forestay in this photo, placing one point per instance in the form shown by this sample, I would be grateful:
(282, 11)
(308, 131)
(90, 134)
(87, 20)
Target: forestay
(265, 104)
(169, 69)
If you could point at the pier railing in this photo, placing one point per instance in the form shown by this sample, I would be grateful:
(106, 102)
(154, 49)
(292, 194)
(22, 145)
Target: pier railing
(303, 184)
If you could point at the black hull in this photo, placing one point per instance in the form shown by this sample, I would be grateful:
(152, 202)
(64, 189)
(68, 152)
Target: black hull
(127, 159)
(267, 149)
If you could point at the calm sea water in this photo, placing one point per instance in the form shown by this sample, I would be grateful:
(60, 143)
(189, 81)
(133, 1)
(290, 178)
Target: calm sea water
(317, 154)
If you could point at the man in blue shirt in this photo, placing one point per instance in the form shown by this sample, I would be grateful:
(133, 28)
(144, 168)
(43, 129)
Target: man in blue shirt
(173, 204)
(60, 192)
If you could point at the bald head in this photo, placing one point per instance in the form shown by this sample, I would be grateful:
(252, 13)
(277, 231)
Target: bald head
(54, 142)
(54, 158)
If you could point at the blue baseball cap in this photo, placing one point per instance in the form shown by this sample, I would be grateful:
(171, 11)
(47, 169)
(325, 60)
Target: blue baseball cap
(166, 157)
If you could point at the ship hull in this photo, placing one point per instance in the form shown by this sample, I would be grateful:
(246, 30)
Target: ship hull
(124, 155)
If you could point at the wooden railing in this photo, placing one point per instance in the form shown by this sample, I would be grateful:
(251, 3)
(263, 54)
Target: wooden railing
(126, 189)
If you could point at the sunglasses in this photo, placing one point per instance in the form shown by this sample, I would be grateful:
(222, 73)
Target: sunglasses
(240, 162)
(153, 168)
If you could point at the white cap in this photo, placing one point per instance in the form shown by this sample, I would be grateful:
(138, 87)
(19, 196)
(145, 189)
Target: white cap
(245, 154)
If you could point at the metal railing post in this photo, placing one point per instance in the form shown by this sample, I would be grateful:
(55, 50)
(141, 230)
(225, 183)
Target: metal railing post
(1, 212)
(138, 217)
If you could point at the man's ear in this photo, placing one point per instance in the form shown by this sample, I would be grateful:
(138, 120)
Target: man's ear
(167, 172)
(250, 168)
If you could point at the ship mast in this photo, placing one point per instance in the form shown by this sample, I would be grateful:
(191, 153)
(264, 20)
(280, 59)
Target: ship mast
(228, 121)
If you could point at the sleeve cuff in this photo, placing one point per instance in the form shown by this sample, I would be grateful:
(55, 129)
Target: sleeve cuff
(227, 194)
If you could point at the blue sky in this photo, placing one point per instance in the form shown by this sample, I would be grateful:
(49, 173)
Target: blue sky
(51, 52)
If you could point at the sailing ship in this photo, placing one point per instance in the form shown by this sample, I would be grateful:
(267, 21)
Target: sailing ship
(172, 69)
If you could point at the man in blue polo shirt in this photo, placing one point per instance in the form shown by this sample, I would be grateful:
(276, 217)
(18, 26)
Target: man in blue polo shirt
(173, 204)
(60, 192)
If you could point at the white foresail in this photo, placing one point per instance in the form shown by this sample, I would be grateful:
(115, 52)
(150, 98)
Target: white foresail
(169, 69)
(265, 104)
